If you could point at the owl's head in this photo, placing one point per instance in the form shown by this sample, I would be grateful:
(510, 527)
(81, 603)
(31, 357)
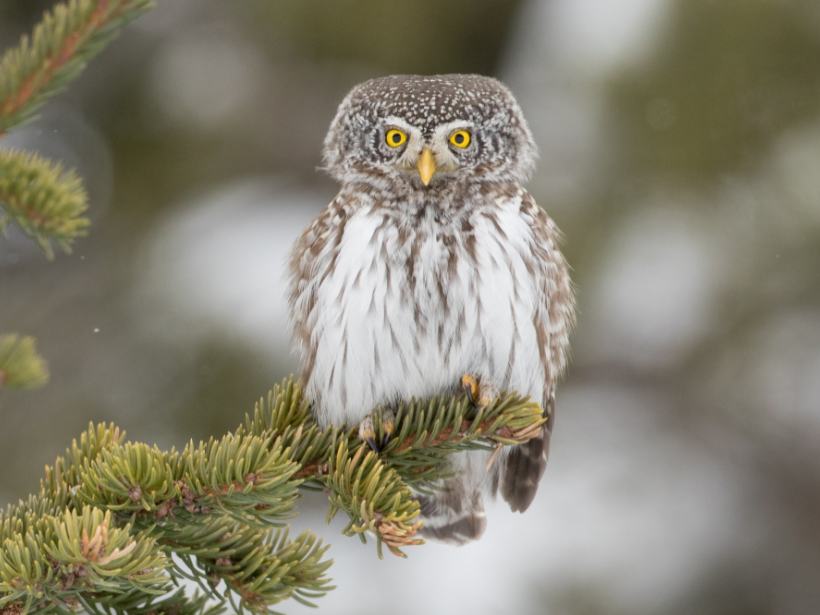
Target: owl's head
(426, 131)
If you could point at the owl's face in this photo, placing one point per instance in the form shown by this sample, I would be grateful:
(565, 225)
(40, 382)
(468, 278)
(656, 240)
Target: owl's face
(425, 132)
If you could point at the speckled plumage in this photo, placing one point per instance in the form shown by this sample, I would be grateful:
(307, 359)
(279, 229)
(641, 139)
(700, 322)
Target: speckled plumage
(399, 288)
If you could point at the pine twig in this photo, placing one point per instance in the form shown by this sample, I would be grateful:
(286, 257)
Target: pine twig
(37, 195)
(218, 507)
(57, 52)
(44, 201)
(50, 556)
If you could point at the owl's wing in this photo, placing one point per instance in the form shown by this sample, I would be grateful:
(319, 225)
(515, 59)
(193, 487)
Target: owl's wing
(553, 321)
(526, 464)
(311, 259)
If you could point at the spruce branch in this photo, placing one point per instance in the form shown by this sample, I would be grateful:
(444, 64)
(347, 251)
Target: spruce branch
(46, 202)
(374, 489)
(217, 506)
(48, 560)
(20, 365)
(57, 52)
(115, 522)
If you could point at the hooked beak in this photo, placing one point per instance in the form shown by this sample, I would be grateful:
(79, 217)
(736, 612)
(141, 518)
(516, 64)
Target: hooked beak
(426, 165)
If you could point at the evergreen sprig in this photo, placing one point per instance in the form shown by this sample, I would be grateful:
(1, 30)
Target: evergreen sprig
(40, 197)
(20, 365)
(116, 523)
(374, 497)
(57, 52)
(218, 506)
(48, 560)
(46, 202)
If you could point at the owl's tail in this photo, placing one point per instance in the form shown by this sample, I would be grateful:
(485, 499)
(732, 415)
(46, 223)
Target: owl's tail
(452, 516)
(454, 513)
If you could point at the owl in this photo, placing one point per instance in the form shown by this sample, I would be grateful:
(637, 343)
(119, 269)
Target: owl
(433, 271)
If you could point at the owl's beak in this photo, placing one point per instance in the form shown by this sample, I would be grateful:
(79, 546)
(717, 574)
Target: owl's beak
(426, 165)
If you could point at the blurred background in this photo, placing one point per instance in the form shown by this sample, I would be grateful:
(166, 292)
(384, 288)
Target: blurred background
(680, 154)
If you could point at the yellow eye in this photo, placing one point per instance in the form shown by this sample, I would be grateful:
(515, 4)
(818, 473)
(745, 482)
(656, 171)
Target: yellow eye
(395, 138)
(460, 139)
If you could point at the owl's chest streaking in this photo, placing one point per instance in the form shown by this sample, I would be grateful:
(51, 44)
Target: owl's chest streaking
(403, 303)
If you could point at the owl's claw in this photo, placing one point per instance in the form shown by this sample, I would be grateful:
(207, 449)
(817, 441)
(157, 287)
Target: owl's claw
(368, 432)
(470, 386)
(480, 394)
(388, 423)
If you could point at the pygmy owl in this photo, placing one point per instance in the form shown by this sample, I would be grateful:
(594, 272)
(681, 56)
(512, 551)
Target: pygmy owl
(431, 271)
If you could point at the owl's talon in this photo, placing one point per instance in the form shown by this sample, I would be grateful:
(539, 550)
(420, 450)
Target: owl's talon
(470, 386)
(388, 423)
(368, 432)
(481, 394)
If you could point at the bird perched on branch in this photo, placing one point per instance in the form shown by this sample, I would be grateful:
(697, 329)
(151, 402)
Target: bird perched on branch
(432, 271)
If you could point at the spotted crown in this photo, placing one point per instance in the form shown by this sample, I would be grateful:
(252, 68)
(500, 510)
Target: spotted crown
(502, 147)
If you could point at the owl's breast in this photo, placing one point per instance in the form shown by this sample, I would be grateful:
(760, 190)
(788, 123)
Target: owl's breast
(406, 308)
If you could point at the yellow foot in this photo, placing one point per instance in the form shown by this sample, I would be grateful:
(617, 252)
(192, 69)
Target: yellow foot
(480, 394)
(371, 435)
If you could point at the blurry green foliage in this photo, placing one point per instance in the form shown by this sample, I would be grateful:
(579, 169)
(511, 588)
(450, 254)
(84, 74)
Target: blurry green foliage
(727, 78)
(20, 365)
(425, 36)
